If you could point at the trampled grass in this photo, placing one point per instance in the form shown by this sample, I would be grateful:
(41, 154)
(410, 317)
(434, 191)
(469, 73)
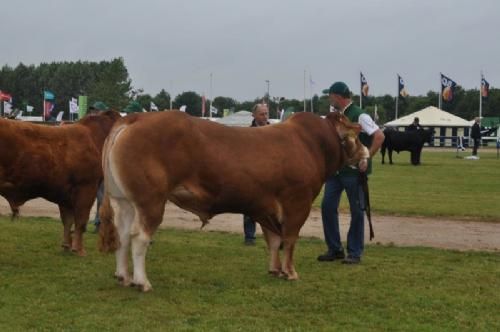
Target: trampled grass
(211, 282)
(442, 186)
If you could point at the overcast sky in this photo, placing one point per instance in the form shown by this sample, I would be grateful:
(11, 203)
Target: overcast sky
(176, 44)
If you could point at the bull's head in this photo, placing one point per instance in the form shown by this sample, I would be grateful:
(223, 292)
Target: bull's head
(348, 133)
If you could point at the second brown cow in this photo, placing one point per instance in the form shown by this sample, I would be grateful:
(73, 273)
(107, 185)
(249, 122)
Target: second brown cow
(61, 164)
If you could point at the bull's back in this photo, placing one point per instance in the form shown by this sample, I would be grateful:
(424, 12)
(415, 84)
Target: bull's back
(37, 158)
(177, 150)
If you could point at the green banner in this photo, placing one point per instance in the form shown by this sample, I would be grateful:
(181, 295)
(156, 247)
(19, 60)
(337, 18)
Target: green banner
(82, 105)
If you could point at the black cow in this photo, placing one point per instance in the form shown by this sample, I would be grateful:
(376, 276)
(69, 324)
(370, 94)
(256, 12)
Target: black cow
(412, 141)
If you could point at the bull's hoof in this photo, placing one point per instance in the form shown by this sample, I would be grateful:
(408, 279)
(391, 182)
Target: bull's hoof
(146, 287)
(66, 247)
(124, 281)
(289, 276)
(79, 252)
(276, 274)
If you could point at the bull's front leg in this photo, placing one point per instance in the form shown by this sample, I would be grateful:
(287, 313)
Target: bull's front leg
(273, 242)
(389, 152)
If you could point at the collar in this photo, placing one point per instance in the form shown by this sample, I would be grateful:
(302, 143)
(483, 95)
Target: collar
(346, 107)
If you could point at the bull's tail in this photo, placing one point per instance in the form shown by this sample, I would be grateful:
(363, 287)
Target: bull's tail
(108, 235)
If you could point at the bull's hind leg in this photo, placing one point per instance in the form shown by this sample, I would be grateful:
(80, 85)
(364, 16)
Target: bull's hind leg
(125, 216)
(295, 216)
(273, 241)
(147, 220)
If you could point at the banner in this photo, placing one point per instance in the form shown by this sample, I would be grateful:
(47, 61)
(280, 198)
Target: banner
(153, 107)
(214, 110)
(485, 88)
(4, 96)
(7, 107)
(73, 106)
(401, 87)
(29, 108)
(447, 88)
(48, 107)
(364, 85)
(82, 106)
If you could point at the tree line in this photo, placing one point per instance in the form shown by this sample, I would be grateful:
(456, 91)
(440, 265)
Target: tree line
(109, 81)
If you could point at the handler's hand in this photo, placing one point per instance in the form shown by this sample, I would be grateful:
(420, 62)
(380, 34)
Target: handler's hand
(363, 165)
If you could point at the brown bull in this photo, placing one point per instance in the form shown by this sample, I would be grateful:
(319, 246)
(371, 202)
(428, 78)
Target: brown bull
(271, 174)
(61, 164)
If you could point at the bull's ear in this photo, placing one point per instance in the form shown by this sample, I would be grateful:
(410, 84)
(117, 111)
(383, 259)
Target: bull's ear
(345, 128)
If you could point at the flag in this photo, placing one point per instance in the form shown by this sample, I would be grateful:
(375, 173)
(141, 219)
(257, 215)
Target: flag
(214, 110)
(447, 88)
(73, 106)
(48, 107)
(401, 87)
(203, 105)
(29, 108)
(153, 107)
(48, 104)
(364, 85)
(7, 107)
(485, 88)
(183, 108)
(48, 95)
(4, 96)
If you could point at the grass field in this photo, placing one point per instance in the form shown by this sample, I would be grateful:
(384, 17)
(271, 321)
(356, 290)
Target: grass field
(210, 282)
(442, 186)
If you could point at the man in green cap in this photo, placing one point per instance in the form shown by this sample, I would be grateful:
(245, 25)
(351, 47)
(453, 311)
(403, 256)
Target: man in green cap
(95, 109)
(348, 179)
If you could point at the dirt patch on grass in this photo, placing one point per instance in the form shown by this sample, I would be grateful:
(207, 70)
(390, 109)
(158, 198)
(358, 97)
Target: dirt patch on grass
(400, 231)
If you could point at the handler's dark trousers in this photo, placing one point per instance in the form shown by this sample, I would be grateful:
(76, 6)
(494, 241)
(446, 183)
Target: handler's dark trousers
(329, 212)
(476, 145)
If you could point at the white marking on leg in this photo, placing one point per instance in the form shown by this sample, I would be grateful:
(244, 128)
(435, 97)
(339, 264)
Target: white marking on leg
(140, 243)
(125, 215)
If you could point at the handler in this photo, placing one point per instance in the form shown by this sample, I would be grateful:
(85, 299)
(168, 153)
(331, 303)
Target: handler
(348, 179)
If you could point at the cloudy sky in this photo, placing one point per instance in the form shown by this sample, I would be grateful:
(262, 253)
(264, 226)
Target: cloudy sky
(177, 44)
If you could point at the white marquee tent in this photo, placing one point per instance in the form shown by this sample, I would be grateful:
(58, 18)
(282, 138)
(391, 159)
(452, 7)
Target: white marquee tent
(430, 117)
(447, 127)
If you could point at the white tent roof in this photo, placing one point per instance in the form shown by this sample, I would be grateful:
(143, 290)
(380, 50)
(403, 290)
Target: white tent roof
(239, 119)
(430, 116)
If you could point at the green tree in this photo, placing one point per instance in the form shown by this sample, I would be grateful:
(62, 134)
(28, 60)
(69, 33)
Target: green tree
(191, 100)
(162, 100)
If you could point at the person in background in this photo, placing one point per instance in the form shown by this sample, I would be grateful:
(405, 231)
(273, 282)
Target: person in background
(260, 113)
(96, 108)
(415, 125)
(348, 179)
(475, 134)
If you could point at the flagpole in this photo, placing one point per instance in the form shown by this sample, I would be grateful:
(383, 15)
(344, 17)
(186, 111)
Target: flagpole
(397, 98)
(360, 92)
(171, 91)
(305, 90)
(480, 95)
(43, 104)
(440, 90)
(310, 91)
(211, 97)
